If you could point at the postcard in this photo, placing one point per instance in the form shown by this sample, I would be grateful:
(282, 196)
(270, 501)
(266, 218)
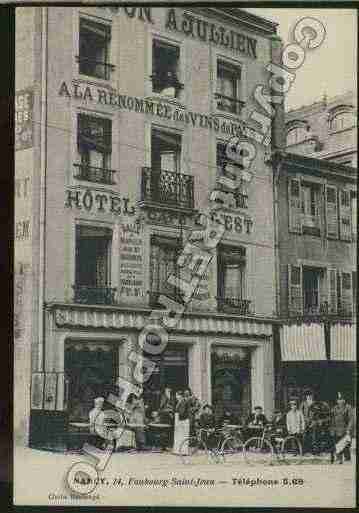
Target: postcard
(185, 282)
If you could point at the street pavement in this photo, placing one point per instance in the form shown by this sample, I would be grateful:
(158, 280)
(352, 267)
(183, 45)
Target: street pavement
(162, 479)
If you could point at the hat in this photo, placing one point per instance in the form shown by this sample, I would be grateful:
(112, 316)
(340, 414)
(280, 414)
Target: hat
(293, 401)
(277, 412)
(258, 408)
(99, 400)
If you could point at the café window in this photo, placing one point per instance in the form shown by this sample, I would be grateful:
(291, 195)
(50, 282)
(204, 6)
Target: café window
(94, 147)
(231, 280)
(93, 266)
(228, 90)
(164, 255)
(166, 69)
(94, 49)
(310, 206)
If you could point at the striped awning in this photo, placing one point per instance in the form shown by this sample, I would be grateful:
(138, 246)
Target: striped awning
(343, 342)
(304, 342)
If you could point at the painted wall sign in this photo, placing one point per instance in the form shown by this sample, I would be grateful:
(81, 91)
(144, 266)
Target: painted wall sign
(24, 101)
(94, 201)
(197, 28)
(89, 93)
(131, 277)
(233, 222)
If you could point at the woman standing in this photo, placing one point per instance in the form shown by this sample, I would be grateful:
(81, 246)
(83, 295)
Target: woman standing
(181, 422)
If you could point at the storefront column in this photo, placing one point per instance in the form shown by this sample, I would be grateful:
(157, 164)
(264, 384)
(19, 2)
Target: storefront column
(262, 372)
(195, 369)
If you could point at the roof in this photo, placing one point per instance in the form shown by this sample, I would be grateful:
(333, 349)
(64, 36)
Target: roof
(315, 166)
(248, 20)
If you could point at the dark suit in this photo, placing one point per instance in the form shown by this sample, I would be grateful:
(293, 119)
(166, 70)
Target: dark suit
(341, 423)
(255, 420)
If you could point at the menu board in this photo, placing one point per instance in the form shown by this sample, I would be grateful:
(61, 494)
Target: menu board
(131, 261)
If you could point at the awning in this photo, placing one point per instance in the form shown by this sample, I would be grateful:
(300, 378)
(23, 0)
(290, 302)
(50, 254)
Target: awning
(304, 342)
(343, 342)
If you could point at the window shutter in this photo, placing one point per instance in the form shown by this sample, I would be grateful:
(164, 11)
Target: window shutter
(332, 290)
(346, 294)
(331, 211)
(295, 290)
(295, 213)
(345, 215)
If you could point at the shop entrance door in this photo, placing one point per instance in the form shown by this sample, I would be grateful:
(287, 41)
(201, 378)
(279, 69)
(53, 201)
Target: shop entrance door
(171, 371)
(231, 379)
(91, 372)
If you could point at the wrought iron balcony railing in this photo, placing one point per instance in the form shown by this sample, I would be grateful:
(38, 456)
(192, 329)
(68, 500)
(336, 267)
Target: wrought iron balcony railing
(229, 104)
(93, 68)
(94, 174)
(167, 188)
(323, 312)
(94, 295)
(234, 305)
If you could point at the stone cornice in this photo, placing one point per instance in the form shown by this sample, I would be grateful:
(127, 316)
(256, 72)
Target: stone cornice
(114, 318)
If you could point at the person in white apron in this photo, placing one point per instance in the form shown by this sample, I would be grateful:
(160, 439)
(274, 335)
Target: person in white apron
(181, 423)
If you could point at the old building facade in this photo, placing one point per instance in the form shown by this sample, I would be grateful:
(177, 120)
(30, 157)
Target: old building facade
(327, 129)
(131, 109)
(317, 236)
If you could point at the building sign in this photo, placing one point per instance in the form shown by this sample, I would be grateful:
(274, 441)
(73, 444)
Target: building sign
(24, 101)
(131, 260)
(154, 107)
(238, 223)
(95, 201)
(197, 28)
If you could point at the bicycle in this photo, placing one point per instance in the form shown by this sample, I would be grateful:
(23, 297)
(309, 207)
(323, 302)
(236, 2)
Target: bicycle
(194, 450)
(231, 448)
(260, 450)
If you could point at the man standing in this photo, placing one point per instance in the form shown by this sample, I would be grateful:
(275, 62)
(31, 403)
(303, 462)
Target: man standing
(295, 420)
(309, 409)
(341, 425)
(256, 422)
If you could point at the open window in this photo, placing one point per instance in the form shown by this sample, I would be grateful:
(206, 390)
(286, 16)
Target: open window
(310, 206)
(93, 266)
(231, 284)
(164, 255)
(94, 49)
(94, 145)
(165, 69)
(228, 90)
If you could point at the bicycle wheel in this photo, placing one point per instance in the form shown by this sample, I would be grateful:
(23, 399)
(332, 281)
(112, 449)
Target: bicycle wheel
(193, 451)
(291, 450)
(231, 450)
(258, 451)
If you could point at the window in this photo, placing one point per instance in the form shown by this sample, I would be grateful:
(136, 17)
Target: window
(354, 214)
(230, 169)
(341, 121)
(310, 208)
(297, 135)
(231, 280)
(94, 144)
(312, 278)
(228, 88)
(165, 151)
(355, 288)
(163, 264)
(92, 266)
(345, 290)
(94, 47)
(165, 69)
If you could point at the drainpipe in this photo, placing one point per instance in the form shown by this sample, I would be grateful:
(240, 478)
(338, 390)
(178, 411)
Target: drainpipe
(43, 164)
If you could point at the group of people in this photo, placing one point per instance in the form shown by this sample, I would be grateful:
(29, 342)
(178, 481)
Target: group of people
(179, 414)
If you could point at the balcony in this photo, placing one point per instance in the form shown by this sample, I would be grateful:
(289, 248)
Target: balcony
(164, 82)
(229, 104)
(167, 188)
(93, 68)
(94, 174)
(86, 295)
(234, 305)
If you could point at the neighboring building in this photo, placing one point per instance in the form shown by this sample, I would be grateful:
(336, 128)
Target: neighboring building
(131, 110)
(316, 265)
(326, 129)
